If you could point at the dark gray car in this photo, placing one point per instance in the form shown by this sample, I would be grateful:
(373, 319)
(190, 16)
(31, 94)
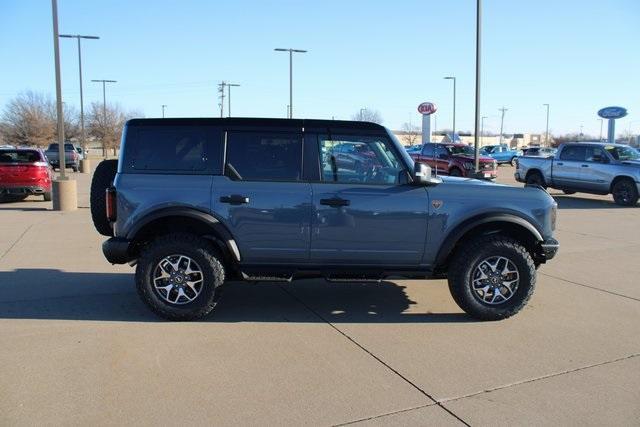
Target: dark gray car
(197, 202)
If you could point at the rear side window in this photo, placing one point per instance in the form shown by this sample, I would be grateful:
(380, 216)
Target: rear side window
(173, 149)
(20, 156)
(576, 153)
(258, 156)
(428, 150)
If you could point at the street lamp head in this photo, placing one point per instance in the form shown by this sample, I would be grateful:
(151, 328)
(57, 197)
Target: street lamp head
(299, 50)
(281, 50)
(449, 78)
(67, 36)
(78, 36)
(90, 37)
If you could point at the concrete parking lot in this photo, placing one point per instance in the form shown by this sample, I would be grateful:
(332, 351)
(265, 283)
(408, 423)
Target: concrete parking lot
(78, 347)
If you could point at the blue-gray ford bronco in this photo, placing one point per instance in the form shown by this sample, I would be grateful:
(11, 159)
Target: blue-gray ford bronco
(193, 203)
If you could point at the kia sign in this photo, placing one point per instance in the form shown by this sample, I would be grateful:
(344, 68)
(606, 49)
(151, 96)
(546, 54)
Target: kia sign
(612, 112)
(427, 108)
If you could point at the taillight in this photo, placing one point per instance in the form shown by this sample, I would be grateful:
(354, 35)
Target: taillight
(111, 206)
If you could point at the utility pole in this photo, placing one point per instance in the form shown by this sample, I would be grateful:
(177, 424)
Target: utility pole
(229, 86)
(104, 107)
(502, 110)
(163, 107)
(83, 140)
(221, 86)
(362, 110)
(482, 129)
(476, 141)
(453, 127)
(546, 134)
(291, 51)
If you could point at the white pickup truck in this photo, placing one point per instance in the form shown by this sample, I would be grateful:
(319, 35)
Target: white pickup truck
(587, 167)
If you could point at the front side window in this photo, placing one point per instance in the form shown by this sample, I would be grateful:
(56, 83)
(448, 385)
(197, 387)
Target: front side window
(359, 159)
(576, 153)
(254, 156)
(596, 154)
(461, 149)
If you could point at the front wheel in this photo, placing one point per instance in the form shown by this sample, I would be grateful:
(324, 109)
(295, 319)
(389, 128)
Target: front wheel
(492, 277)
(535, 178)
(625, 192)
(514, 161)
(455, 172)
(178, 276)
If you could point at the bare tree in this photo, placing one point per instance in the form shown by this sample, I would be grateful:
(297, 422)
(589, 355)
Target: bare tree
(368, 115)
(26, 120)
(410, 133)
(71, 121)
(106, 125)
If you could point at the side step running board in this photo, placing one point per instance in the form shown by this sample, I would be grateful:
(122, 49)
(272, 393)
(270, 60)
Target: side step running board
(352, 279)
(282, 278)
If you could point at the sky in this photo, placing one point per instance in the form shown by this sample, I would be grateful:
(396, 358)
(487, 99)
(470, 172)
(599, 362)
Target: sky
(576, 55)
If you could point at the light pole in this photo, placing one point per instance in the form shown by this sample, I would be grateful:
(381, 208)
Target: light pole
(83, 137)
(546, 134)
(229, 86)
(502, 110)
(221, 86)
(477, 112)
(362, 110)
(601, 121)
(163, 108)
(482, 129)
(104, 106)
(291, 51)
(453, 132)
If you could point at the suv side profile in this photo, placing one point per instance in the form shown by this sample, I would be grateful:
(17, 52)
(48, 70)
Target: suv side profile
(194, 203)
(455, 160)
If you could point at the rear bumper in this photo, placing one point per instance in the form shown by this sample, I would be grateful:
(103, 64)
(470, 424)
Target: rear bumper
(117, 250)
(24, 189)
(484, 174)
(549, 248)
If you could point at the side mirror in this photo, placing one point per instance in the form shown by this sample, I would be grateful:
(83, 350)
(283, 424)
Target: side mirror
(422, 175)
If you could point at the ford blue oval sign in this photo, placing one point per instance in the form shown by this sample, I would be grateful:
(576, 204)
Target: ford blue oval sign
(612, 112)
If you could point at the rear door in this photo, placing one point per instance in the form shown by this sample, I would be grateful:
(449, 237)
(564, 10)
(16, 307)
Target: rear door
(367, 215)
(567, 170)
(262, 198)
(597, 174)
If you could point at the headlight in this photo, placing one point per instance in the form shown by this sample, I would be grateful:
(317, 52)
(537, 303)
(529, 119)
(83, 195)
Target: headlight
(468, 165)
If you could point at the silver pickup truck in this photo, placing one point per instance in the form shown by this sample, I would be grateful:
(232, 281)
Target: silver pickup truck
(587, 167)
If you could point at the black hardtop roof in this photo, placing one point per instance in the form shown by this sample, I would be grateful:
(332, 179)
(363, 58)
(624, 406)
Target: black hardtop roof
(255, 122)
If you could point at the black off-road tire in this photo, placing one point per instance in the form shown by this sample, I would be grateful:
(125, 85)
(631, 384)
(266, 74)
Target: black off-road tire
(625, 192)
(47, 196)
(102, 179)
(470, 255)
(536, 178)
(203, 252)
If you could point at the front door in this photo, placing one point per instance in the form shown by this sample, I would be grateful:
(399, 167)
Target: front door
(366, 215)
(567, 170)
(262, 199)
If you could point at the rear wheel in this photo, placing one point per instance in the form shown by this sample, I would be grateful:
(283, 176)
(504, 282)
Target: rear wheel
(178, 276)
(102, 179)
(492, 277)
(625, 192)
(514, 161)
(535, 178)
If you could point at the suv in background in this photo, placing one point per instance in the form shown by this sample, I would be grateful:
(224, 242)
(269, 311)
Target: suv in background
(23, 172)
(455, 160)
(196, 202)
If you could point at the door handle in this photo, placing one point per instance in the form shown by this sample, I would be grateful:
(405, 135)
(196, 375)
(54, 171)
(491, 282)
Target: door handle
(585, 166)
(234, 199)
(335, 202)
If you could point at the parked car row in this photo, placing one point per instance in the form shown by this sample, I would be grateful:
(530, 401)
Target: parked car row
(454, 160)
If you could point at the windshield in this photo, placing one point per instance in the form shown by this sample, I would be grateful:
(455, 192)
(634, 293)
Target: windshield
(19, 156)
(460, 149)
(403, 153)
(622, 153)
(67, 147)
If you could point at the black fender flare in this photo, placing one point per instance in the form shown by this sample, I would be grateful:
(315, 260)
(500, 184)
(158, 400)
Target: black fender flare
(207, 219)
(454, 236)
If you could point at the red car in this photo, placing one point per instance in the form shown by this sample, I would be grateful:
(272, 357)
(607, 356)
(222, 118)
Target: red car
(455, 160)
(24, 171)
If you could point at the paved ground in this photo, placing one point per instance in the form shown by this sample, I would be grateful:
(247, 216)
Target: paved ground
(77, 347)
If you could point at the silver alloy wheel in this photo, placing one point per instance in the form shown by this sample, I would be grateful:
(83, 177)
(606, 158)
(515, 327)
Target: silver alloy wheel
(178, 279)
(495, 280)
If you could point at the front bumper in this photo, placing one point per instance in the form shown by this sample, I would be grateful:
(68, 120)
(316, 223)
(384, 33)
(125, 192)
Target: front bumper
(117, 250)
(549, 248)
